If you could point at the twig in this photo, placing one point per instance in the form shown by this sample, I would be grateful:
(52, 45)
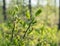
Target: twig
(27, 30)
(30, 19)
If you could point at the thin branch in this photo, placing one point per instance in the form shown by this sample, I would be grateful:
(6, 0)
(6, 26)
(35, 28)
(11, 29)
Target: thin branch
(27, 29)
(30, 9)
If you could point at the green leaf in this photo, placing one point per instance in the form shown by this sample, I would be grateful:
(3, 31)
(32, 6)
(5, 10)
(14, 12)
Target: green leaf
(38, 31)
(34, 22)
(22, 22)
(38, 12)
(29, 31)
(16, 8)
(28, 14)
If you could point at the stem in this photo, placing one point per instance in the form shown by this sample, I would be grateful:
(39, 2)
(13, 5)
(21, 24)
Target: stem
(27, 29)
(30, 9)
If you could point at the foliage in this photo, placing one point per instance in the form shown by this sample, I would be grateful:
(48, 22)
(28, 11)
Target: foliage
(18, 31)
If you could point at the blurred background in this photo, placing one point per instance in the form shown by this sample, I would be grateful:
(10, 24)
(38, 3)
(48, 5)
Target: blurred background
(50, 9)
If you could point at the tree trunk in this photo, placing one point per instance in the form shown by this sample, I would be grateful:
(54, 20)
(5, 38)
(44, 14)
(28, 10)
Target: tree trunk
(4, 10)
(38, 1)
(59, 19)
(30, 8)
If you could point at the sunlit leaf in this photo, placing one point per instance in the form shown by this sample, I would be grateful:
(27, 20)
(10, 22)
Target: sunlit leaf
(28, 14)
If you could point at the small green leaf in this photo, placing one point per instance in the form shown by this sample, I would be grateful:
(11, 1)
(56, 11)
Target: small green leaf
(16, 8)
(38, 31)
(27, 15)
(29, 31)
(34, 22)
(38, 12)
